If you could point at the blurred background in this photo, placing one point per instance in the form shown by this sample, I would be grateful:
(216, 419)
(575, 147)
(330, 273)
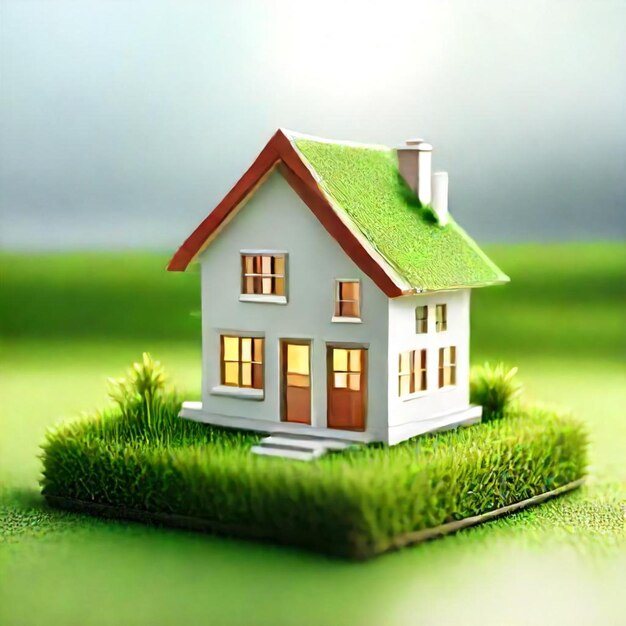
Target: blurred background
(123, 122)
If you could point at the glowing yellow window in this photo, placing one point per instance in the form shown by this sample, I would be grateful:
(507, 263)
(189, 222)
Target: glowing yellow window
(412, 372)
(242, 361)
(263, 274)
(421, 319)
(447, 366)
(348, 299)
(442, 318)
(347, 369)
(298, 369)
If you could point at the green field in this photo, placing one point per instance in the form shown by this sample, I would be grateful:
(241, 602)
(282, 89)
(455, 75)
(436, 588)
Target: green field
(69, 321)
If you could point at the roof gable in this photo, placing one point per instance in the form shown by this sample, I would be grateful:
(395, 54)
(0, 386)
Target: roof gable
(357, 194)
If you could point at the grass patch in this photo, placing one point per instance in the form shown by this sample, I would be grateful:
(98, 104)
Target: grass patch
(141, 457)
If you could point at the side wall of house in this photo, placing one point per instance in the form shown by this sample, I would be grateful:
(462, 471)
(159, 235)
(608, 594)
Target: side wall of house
(276, 219)
(403, 337)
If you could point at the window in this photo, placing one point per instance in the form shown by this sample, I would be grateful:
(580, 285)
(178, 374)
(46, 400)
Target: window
(421, 319)
(447, 367)
(263, 274)
(347, 369)
(242, 362)
(348, 299)
(412, 372)
(442, 317)
(295, 364)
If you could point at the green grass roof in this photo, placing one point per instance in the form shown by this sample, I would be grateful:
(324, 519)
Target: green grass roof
(365, 182)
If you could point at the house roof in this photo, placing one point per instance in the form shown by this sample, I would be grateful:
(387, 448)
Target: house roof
(357, 193)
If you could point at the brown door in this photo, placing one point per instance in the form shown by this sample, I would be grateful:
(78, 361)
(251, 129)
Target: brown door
(347, 387)
(296, 381)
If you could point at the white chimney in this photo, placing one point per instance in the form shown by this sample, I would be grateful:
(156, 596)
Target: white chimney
(440, 196)
(414, 163)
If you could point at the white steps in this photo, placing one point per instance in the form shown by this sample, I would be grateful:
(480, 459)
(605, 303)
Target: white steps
(299, 447)
(297, 454)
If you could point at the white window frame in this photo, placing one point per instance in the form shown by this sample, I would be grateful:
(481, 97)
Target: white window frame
(261, 297)
(443, 364)
(425, 320)
(243, 393)
(336, 302)
(415, 373)
(441, 327)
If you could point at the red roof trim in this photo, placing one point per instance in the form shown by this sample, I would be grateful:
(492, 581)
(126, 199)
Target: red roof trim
(279, 150)
(195, 242)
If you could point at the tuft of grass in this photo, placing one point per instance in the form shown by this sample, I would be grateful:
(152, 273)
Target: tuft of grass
(143, 383)
(494, 388)
(351, 504)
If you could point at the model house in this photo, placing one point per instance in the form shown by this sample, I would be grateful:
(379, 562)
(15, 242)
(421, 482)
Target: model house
(335, 297)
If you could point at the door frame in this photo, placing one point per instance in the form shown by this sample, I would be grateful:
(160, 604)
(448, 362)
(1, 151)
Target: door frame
(347, 345)
(283, 342)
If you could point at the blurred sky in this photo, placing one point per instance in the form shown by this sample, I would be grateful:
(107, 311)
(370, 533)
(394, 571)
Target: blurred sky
(123, 122)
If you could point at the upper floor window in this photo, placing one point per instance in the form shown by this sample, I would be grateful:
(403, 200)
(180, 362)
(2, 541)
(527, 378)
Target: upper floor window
(442, 318)
(263, 274)
(421, 319)
(447, 366)
(242, 362)
(411, 372)
(347, 300)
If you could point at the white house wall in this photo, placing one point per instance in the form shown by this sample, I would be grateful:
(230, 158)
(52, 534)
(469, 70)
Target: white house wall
(276, 219)
(402, 337)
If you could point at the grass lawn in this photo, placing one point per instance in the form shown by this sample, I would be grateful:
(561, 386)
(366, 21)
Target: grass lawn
(144, 461)
(70, 321)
